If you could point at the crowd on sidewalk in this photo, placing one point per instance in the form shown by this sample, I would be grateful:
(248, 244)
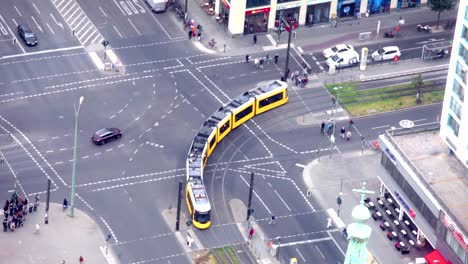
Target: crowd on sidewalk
(15, 211)
(344, 133)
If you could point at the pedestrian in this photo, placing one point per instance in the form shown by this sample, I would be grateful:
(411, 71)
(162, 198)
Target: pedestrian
(297, 80)
(38, 228)
(81, 259)
(5, 224)
(342, 132)
(261, 63)
(189, 240)
(345, 233)
(268, 59)
(322, 127)
(12, 226)
(272, 221)
(65, 204)
(287, 73)
(190, 34)
(255, 39)
(276, 58)
(329, 128)
(351, 123)
(348, 135)
(247, 57)
(251, 232)
(199, 35)
(329, 222)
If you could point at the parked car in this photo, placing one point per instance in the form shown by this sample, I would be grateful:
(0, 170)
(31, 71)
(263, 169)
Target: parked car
(343, 59)
(157, 5)
(106, 135)
(327, 53)
(27, 35)
(386, 53)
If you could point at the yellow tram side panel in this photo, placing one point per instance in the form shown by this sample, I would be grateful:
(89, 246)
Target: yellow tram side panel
(224, 127)
(250, 104)
(271, 95)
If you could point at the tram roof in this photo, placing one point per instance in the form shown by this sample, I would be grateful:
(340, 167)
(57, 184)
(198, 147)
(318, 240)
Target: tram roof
(220, 114)
(267, 87)
(199, 193)
(205, 131)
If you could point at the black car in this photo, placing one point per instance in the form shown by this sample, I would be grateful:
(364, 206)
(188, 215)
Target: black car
(27, 35)
(105, 135)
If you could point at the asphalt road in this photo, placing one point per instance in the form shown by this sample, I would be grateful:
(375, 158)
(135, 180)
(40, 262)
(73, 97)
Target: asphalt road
(167, 90)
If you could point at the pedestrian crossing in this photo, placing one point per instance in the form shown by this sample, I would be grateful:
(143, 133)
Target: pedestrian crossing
(78, 21)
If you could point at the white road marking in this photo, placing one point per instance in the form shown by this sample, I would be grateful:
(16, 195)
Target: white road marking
(110, 230)
(107, 150)
(320, 252)
(281, 198)
(271, 39)
(121, 10)
(96, 60)
(300, 165)
(62, 149)
(258, 197)
(121, 145)
(58, 162)
(305, 242)
(419, 120)
(53, 32)
(37, 9)
(85, 157)
(336, 219)
(336, 244)
(37, 24)
(18, 11)
(118, 32)
(112, 117)
(97, 154)
(301, 255)
(102, 11)
(300, 49)
(377, 127)
(42, 52)
(49, 151)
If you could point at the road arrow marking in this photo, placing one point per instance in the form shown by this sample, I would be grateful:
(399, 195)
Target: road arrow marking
(55, 20)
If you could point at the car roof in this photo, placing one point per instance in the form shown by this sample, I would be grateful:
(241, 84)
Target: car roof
(390, 48)
(339, 46)
(347, 53)
(104, 131)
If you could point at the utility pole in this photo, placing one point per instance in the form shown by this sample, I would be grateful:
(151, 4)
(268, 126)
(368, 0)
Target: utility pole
(107, 242)
(249, 210)
(286, 67)
(75, 146)
(179, 201)
(186, 8)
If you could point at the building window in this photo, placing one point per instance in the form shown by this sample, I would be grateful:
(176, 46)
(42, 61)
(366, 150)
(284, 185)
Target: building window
(255, 3)
(463, 53)
(456, 107)
(459, 90)
(453, 124)
(285, 1)
(461, 72)
(465, 33)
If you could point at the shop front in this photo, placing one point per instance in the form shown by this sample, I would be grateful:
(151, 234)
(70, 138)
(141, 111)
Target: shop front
(256, 21)
(290, 12)
(348, 8)
(378, 6)
(224, 12)
(317, 13)
(405, 4)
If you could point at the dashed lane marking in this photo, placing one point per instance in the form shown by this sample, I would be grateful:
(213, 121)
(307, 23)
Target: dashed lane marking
(85, 203)
(138, 182)
(110, 230)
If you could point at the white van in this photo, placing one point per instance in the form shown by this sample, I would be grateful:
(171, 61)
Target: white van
(157, 5)
(343, 59)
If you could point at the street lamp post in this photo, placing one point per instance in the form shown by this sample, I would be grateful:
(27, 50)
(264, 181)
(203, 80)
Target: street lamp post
(72, 198)
(335, 102)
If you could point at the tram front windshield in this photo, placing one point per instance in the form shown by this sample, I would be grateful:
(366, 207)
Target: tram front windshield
(202, 217)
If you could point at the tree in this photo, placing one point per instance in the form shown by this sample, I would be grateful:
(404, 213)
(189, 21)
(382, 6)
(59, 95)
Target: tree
(440, 6)
(417, 82)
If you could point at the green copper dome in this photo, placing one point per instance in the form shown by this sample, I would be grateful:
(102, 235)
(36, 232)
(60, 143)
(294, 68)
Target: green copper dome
(360, 213)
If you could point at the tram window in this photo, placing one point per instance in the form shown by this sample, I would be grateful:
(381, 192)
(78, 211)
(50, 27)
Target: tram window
(202, 217)
(271, 99)
(243, 113)
(212, 142)
(224, 127)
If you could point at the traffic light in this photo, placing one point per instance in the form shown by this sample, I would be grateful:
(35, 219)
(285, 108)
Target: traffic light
(339, 200)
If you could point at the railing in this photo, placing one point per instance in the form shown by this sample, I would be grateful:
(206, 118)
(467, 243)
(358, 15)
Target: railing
(420, 128)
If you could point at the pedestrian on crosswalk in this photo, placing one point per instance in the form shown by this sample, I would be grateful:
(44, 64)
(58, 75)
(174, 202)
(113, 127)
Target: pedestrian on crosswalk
(272, 221)
(276, 58)
(251, 232)
(254, 39)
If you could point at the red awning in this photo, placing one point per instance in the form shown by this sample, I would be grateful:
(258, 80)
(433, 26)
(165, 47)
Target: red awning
(435, 258)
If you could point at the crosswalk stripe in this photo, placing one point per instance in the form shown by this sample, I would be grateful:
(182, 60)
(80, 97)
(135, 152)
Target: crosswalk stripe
(76, 18)
(69, 9)
(71, 16)
(89, 37)
(65, 6)
(84, 34)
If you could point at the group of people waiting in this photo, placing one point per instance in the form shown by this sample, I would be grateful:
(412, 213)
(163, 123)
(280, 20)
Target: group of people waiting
(15, 211)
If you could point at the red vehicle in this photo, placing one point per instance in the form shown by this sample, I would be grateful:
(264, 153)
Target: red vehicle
(106, 135)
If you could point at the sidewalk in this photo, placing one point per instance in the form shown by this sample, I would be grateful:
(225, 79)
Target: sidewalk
(64, 238)
(323, 177)
(306, 37)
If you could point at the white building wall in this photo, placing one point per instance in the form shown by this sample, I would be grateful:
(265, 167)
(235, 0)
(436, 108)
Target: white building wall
(458, 143)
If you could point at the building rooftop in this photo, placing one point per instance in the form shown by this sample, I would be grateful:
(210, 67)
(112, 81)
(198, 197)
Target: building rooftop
(441, 172)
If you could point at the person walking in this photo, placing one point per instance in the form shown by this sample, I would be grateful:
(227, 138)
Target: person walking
(81, 259)
(276, 58)
(348, 135)
(65, 204)
(255, 39)
(350, 123)
(342, 132)
(5, 224)
(272, 221)
(329, 127)
(251, 232)
(329, 222)
(287, 73)
(322, 127)
(247, 57)
(190, 34)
